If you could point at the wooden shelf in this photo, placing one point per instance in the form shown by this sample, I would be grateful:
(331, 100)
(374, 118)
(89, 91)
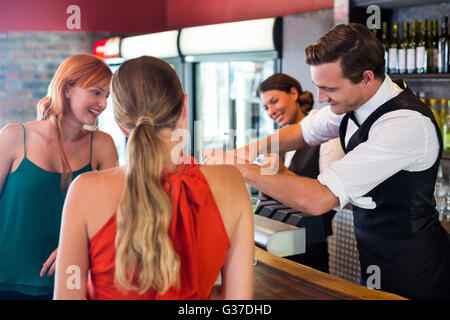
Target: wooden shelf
(421, 76)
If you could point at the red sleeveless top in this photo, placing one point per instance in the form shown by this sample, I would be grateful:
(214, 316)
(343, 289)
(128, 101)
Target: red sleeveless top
(198, 236)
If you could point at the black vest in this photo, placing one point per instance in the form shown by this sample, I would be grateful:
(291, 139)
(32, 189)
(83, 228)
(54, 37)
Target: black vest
(402, 235)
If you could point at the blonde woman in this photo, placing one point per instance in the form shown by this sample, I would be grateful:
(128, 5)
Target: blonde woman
(38, 160)
(156, 228)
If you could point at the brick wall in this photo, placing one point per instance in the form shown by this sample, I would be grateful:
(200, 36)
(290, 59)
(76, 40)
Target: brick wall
(28, 61)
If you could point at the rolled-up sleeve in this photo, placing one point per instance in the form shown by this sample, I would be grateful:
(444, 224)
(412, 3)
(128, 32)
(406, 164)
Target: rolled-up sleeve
(320, 126)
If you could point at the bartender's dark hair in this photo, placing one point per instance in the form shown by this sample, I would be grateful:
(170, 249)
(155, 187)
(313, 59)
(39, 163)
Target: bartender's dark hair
(355, 46)
(283, 82)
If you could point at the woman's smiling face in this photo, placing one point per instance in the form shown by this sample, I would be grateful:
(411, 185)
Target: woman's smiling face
(282, 107)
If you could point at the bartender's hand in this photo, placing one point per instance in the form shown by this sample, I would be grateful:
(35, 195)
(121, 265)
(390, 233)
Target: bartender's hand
(274, 164)
(51, 262)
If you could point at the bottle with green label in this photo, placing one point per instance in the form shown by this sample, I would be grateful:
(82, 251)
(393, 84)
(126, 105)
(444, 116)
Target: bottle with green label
(403, 46)
(385, 41)
(420, 46)
(411, 50)
(393, 50)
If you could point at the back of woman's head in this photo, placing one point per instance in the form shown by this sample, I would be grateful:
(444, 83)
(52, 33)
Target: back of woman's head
(82, 70)
(147, 96)
(284, 82)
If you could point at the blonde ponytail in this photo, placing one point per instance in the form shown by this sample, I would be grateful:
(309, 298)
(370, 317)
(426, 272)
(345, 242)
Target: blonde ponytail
(145, 256)
(147, 96)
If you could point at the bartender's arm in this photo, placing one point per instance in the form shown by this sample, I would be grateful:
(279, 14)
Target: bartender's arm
(283, 140)
(304, 194)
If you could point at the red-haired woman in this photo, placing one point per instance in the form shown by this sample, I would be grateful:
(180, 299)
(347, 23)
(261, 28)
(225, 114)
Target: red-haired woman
(38, 160)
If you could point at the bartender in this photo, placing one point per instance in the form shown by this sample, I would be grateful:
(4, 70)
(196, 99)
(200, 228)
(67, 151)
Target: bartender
(392, 147)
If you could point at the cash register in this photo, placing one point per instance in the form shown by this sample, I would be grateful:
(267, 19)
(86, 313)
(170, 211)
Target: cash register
(279, 229)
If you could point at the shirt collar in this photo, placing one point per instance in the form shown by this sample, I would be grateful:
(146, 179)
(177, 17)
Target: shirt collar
(385, 92)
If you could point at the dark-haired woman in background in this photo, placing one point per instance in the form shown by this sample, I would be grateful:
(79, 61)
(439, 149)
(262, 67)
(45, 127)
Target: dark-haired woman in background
(286, 103)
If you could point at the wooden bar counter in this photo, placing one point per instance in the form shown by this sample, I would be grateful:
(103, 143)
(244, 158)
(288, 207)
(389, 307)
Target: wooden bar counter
(281, 279)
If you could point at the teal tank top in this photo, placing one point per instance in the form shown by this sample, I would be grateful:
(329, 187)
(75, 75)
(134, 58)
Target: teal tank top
(30, 219)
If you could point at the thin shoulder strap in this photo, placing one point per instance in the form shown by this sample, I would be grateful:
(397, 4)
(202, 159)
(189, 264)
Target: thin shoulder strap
(24, 141)
(90, 156)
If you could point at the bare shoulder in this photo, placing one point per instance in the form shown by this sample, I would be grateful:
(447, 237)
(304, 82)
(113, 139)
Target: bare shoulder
(95, 184)
(102, 136)
(102, 141)
(93, 197)
(227, 186)
(230, 194)
(11, 139)
(98, 190)
(222, 176)
(103, 150)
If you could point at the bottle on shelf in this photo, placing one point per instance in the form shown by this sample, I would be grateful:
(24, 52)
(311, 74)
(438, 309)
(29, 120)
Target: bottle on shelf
(411, 50)
(420, 46)
(434, 47)
(385, 41)
(436, 112)
(443, 50)
(428, 47)
(443, 114)
(403, 47)
(440, 193)
(422, 97)
(393, 50)
(446, 135)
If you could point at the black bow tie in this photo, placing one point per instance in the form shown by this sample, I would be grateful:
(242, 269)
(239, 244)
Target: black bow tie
(351, 114)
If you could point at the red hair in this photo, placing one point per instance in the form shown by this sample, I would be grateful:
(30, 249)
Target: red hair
(83, 70)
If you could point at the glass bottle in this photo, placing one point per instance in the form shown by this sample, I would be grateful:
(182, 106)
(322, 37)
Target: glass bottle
(436, 112)
(403, 46)
(446, 135)
(420, 46)
(443, 52)
(422, 97)
(428, 47)
(385, 41)
(393, 50)
(411, 50)
(434, 47)
(443, 114)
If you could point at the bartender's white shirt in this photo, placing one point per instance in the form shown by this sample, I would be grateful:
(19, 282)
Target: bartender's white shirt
(398, 140)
